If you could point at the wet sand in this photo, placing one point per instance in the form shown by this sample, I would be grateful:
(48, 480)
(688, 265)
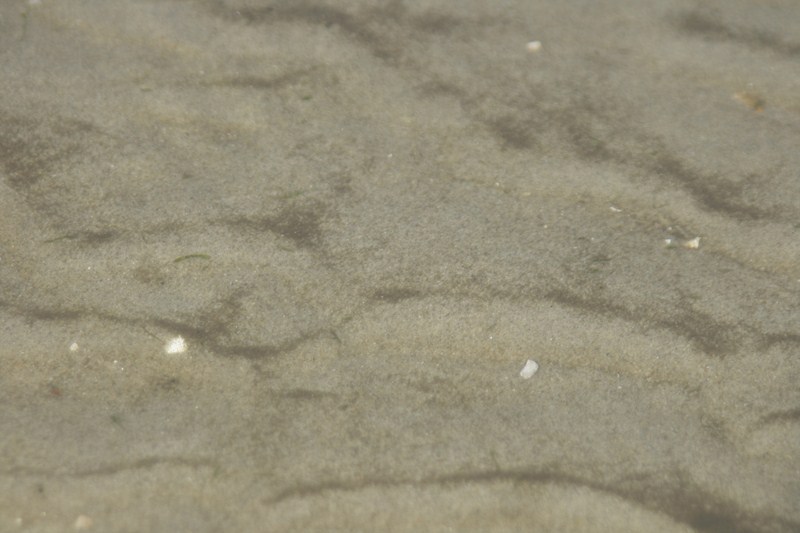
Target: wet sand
(363, 218)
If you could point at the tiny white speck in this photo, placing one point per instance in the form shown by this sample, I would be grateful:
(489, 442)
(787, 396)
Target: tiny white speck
(175, 345)
(692, 244)
(529, 369)
(73, 347)
(615, 209)
(534, 46)
(83, 522)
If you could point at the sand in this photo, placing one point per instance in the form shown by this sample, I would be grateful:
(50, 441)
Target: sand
(362, 219)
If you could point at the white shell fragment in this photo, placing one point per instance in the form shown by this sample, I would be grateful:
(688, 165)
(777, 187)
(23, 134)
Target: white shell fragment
(83, 522)
(175, 345)
(529, 369)
(692, 244)
(534, 46)
(73, 347)
(689, 244)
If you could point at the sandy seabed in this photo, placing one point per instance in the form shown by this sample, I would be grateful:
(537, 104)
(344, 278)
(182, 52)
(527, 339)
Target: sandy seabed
(362, 219)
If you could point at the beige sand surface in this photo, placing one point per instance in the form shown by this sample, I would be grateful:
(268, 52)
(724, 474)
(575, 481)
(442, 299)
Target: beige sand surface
(363, 218)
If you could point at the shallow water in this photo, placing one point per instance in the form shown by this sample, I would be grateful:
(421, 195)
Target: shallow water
(362, 221)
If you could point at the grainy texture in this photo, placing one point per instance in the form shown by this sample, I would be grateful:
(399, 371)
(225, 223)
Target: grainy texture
(364, 218)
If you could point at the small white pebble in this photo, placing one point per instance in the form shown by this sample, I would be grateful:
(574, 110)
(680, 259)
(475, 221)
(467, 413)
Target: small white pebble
(175, 345)
(615, 209)
(529, 369)
(73, 347)
(534, 46)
